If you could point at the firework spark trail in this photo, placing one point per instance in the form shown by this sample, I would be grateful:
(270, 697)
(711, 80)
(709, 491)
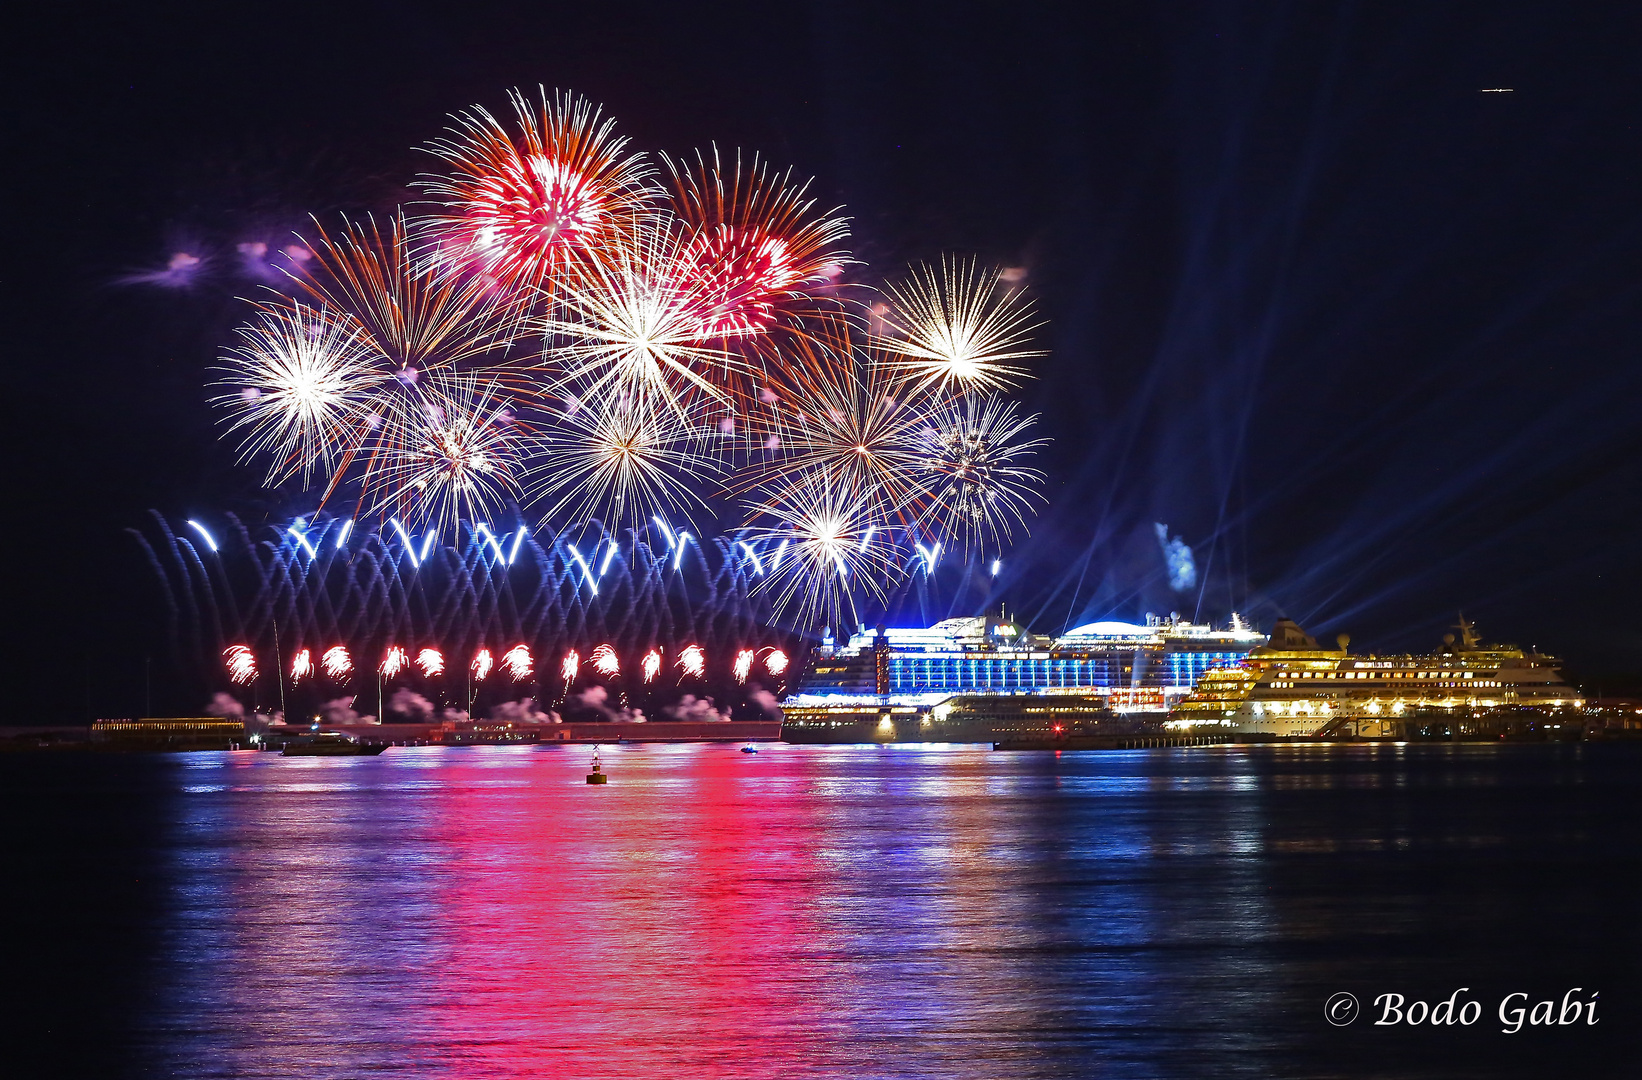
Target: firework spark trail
(395, 660)
(568, 667)
(692, 661)
(517, 662)
(483, 662)
(855, 432)
(651, 665)
(431, 661)
(412, 319)
(520, 206)
(743, 665)
(776, 662)
(302, 666)
(336, 663)
(241, 663)
(954, 328)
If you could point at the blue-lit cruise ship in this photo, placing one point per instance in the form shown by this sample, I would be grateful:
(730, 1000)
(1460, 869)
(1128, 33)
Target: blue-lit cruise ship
(987, 677)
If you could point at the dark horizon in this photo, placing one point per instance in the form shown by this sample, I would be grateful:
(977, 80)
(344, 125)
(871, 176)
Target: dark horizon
(1355, 326)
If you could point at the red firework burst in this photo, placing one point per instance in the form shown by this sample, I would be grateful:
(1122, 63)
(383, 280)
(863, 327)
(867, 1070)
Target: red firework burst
(758, 248)
(763, 266)
(519, 205)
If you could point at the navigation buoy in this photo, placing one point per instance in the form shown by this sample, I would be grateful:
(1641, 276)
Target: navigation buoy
(597, 776)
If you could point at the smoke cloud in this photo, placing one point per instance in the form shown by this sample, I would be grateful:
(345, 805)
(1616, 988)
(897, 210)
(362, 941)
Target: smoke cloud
(523, 711)
(341, 711)
(597, 699)
(225, 705)
(766, 704)
(1178, 557)
(692, 708)
(410, 705)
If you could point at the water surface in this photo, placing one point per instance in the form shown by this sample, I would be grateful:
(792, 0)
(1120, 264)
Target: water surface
(817, 911)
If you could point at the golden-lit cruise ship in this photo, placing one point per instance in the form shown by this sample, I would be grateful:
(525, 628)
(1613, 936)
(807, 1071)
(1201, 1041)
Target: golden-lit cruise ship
(1291, 687)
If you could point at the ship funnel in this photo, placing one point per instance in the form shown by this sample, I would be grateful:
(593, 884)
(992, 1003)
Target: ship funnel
(1344, 641)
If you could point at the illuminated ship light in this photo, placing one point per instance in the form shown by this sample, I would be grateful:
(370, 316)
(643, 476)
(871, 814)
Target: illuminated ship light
(1293, 688)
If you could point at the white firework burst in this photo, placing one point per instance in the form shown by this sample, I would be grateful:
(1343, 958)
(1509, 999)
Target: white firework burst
(824, 548)
(956, 327)
(621, 460)
(304, 383)
(450, 451)
(631, 327)
(855, 430)
(972, 465)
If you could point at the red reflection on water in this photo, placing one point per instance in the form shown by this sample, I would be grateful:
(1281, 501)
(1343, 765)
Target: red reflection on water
(635, 929)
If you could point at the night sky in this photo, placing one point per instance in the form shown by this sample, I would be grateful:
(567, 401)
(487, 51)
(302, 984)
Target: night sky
(1364, 336)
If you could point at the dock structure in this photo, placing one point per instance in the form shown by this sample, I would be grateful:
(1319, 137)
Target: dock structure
(1113, 742)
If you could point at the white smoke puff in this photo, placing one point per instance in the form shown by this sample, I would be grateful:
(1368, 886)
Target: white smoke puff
(179, 273)
(225, 705)
(767, 704)
(523, 711)
(696, 710)
(1178, 557)
(597, 699)
(412, 706)
(339, 711)
(453, 716)
(253, 256)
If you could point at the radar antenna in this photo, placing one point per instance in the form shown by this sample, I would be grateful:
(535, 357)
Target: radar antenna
(1469, 638)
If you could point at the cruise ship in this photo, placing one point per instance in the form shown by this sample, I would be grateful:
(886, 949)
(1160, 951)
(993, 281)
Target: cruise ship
(1292, 688)
(988, 678)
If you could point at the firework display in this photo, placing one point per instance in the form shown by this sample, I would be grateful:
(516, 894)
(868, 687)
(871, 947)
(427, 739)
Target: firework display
(616, 610)
(563, 330)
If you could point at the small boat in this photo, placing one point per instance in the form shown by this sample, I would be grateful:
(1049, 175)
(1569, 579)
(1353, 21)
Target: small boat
(749, 749)
(331, 744)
